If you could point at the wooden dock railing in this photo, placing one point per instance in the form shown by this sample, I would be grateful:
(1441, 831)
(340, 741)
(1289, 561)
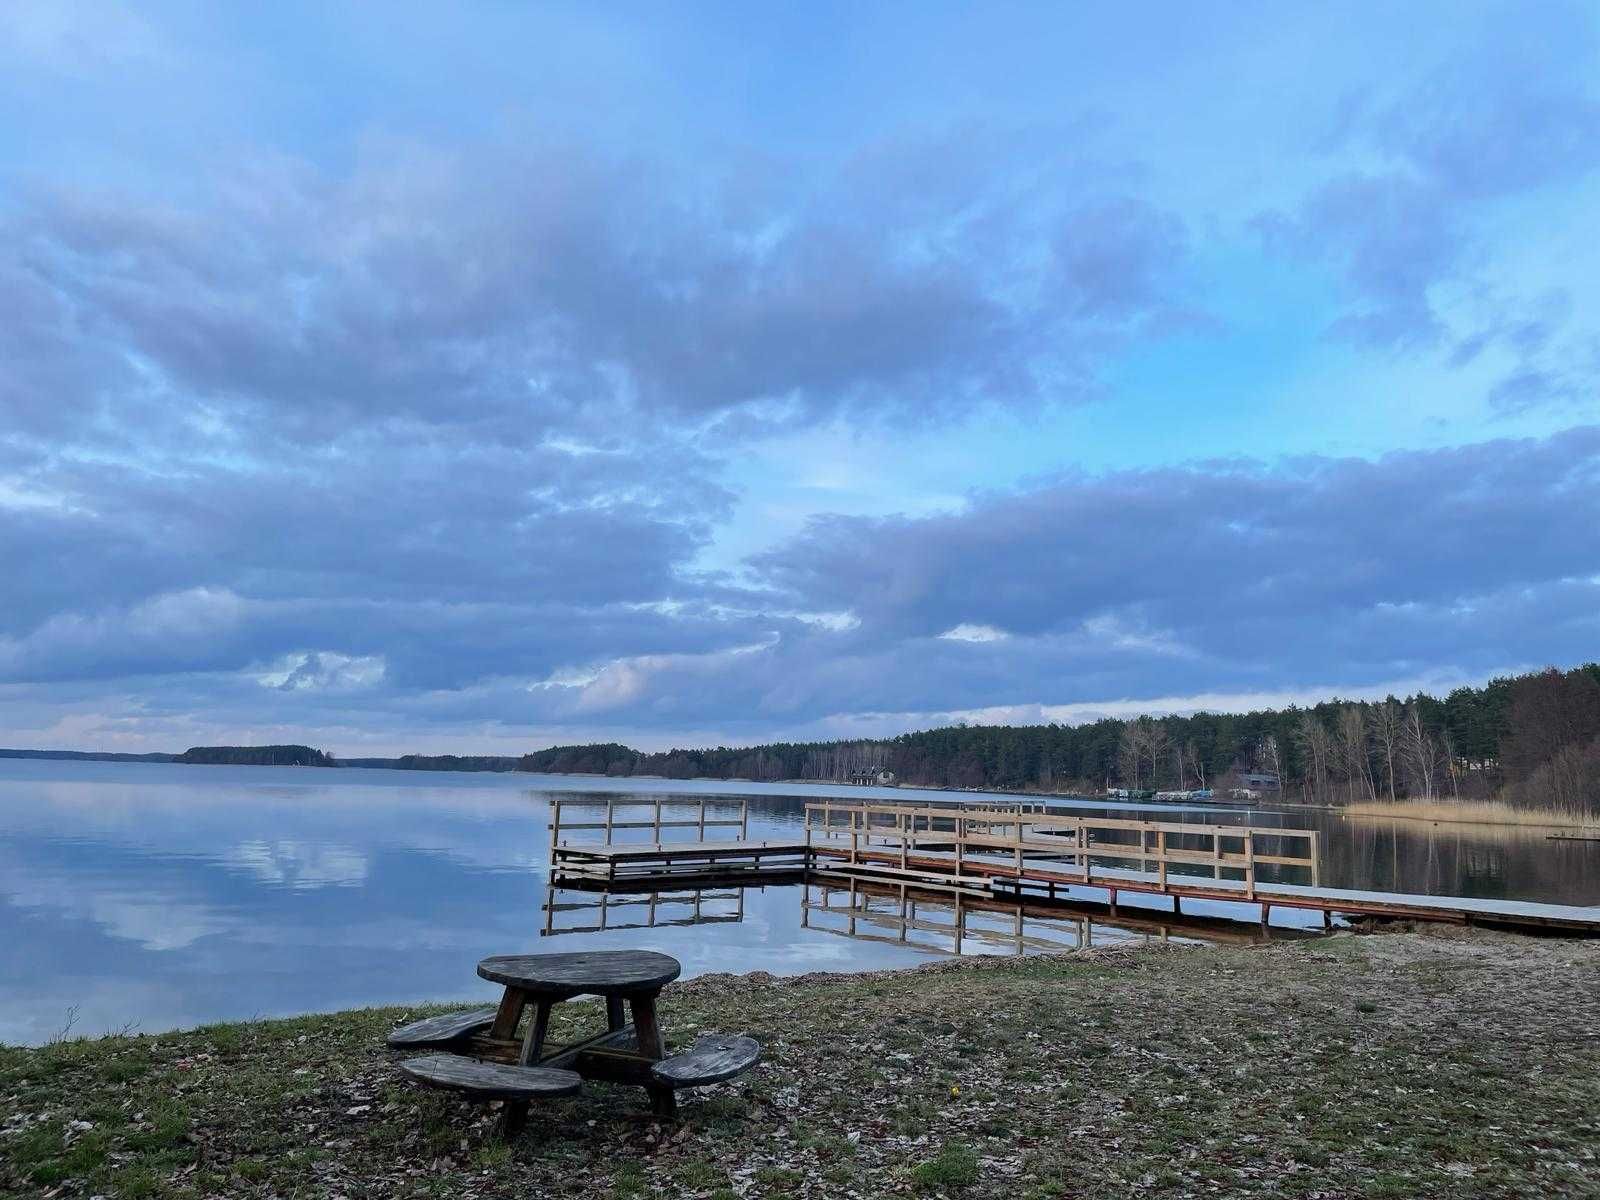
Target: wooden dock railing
(987, 837)
(702, 816)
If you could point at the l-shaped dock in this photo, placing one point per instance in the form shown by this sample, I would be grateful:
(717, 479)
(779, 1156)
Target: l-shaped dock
(1019, 851)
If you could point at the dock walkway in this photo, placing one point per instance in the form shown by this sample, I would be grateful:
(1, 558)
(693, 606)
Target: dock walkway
(1024, 852)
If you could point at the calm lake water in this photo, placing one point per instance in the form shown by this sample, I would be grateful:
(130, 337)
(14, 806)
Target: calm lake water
(161, 896)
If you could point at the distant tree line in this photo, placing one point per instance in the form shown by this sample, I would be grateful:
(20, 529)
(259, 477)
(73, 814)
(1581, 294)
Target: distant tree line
(258, 756)
(1532, 739)
(437, 762)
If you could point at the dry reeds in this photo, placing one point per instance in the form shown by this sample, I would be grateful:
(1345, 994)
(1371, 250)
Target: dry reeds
(1476, 812)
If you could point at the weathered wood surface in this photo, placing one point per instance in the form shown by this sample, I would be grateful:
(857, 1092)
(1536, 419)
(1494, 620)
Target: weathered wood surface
(623, 851)
(442, 1030)
(589, 972)
(713, 1058)
(490, 1081)
(614, 1039)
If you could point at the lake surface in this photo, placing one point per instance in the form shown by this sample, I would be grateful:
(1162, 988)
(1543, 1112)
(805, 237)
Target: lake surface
(156, 896)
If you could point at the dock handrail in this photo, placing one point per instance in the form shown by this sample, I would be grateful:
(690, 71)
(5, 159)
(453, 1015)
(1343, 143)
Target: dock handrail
(656, 804)
(1058, 835)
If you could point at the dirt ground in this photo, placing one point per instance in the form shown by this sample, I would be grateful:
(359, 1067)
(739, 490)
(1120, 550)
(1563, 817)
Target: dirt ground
(1427, 1063)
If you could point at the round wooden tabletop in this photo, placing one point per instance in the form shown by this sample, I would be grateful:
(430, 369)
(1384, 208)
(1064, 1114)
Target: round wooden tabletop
(586, 972)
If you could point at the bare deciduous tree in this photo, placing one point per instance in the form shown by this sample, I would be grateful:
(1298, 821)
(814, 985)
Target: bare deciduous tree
(1384, 720)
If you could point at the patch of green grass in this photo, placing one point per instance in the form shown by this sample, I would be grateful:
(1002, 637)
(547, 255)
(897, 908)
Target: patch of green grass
(955, 1166)
(492, 1155)
(628, 1181)
(699, 1174)
(779, 1177)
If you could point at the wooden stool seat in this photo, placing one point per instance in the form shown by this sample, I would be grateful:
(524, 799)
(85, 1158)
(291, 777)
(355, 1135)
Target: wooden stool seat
(713, 1058)
(489, 1080)
(443, 1030)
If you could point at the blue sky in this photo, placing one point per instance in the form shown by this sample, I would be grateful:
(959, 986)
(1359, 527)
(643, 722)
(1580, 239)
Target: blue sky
(478, 378)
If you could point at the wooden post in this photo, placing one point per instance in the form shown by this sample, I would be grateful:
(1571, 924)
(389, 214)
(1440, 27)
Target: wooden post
(648, 1031)
(533, 1040)
(658, 821)
(555, 823)
(744, 820)
(702, 818)
(1250, 863)
(1161, 851)
(611, 807)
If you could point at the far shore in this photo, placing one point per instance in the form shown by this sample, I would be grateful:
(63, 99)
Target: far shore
(1437, 811)
(1438, 1063)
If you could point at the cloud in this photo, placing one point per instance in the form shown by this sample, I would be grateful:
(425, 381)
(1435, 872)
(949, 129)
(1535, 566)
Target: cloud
(444, 424)
(1408, 213)
(1227, 577)
(550, 290)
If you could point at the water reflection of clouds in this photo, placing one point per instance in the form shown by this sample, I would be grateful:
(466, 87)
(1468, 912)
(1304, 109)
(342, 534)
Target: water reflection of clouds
(170, 895)
(152, 917)
(296, 864)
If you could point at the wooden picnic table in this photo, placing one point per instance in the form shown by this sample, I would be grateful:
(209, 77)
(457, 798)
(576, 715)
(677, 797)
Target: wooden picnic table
(631, 977)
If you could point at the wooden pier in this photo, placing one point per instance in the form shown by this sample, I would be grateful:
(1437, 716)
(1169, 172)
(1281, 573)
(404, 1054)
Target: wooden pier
(1009, 850)
(637, 843)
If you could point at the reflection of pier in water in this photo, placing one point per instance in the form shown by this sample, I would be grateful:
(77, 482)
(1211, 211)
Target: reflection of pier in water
(648, 910)
(956, 918)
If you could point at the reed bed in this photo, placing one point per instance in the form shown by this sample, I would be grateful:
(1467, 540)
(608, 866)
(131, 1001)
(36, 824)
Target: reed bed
(1479, 812)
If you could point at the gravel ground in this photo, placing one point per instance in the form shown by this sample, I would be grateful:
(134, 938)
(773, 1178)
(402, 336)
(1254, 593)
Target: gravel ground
(1426, 1063)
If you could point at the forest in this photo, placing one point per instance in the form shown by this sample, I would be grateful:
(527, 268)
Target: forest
(437, 762)
(1532, 740)
(257, 756)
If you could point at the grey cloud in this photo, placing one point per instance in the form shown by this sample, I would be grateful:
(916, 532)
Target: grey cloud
(1396, 214)
(549, 289)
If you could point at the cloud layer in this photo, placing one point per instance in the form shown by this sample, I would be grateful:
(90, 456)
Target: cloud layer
(390, 434)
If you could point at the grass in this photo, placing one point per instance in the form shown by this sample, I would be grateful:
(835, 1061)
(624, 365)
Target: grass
(1479, 812)
(1437, 1064)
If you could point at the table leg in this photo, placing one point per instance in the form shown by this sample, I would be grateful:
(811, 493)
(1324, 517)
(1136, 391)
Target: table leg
(614, 1012)
(663, 1100)
(533, 1041)
(508, 1014)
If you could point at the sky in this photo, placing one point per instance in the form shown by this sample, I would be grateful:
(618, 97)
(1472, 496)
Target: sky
(480, 377)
